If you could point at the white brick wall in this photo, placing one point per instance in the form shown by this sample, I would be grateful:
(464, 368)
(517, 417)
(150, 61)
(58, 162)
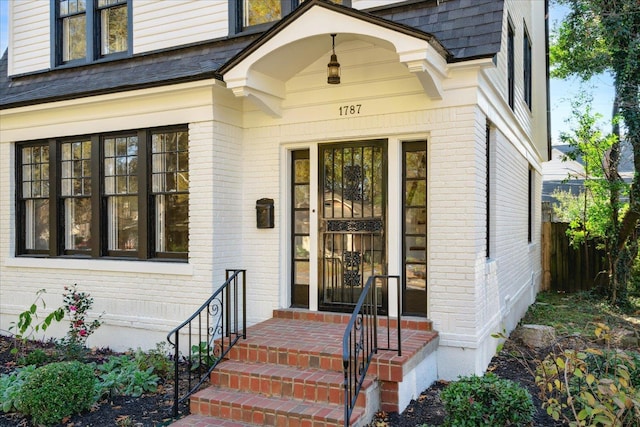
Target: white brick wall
(238, 155)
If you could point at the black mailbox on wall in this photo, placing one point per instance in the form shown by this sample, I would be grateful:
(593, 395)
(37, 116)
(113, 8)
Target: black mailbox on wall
(264, 213)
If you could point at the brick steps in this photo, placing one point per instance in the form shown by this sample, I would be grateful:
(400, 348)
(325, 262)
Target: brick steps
(196, 420)
(288, 372)
(310, 385)
(258, 409)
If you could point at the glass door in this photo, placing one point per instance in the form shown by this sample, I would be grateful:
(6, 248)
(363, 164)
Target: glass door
(352, 221)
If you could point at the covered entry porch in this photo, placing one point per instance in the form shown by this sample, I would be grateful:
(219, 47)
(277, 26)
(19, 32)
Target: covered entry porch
(351, 201)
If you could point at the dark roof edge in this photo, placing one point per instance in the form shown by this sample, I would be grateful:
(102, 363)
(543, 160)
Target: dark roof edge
(471, 58)
(354, 13)
(146, 54)
(398, 5)
(119, 89)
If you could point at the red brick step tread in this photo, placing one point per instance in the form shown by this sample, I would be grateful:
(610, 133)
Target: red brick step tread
(263, 410)
(196, 420)
(284, 381)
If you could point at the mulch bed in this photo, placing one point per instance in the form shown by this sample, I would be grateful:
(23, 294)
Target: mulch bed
(148, 410)
(515, 362)
(155, 409)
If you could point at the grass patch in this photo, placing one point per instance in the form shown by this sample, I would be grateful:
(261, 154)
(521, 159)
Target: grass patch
(578, 313)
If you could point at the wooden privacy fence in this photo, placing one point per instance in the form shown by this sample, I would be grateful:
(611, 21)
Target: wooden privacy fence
(567, 269)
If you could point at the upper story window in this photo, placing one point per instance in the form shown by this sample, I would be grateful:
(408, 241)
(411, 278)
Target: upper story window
(255, 12)
(526, 65)
(114, 32)
(73, 19)
(87, 30)
(120, 195)
(247, 14)
(511, 65)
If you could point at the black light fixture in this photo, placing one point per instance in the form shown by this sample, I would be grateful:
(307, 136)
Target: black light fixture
(333, 67)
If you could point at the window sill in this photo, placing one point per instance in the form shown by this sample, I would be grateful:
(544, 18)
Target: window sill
(106, 265)
(76, 63)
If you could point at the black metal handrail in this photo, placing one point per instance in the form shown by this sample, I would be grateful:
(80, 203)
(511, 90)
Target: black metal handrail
(216, 326)
(360, 340)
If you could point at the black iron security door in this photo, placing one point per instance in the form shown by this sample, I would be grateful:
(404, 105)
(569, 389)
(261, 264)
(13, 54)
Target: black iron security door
(352, 221)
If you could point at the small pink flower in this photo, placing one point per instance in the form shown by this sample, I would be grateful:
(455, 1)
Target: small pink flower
(83, 333)
(72, 308)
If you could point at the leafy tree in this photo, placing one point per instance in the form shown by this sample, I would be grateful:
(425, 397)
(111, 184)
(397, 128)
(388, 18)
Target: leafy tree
(599, 36)
(594, 214)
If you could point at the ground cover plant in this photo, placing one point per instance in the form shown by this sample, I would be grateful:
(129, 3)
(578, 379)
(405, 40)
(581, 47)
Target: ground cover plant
(486, 400)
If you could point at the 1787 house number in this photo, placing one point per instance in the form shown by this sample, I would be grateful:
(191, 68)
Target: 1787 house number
(350, 110)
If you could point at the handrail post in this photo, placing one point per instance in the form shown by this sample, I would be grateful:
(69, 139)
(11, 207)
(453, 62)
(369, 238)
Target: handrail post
(359, 345)
(399, 299)
(244, 304)
(176, 391)
(218, 310)
(375, 314)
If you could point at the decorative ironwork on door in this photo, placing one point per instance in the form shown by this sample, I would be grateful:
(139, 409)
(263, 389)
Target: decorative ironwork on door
(352, 221)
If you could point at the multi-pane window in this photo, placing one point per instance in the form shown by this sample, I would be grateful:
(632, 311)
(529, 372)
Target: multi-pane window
(98, 196)
(414, 201)
(75, 191)
(90, 29)
(257, 12)
(527, 69)
(170, 190)
(113, 26)
(34, 200)
(300, 240)
(73, 17)
(121, 192)
(531, 189)
(250, 13)
(511, 65)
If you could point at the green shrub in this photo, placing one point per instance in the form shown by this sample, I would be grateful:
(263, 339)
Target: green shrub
(57, 390)
(591, 387)
(486, 401)
(35, 357)
(157, 359)
(120, 376)
(10, 386)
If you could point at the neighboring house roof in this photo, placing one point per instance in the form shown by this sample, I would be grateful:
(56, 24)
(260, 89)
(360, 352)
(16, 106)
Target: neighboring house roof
(561, 173)
(467, 30)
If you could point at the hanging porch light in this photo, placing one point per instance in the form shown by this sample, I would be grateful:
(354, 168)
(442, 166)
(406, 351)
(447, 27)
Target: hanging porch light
(333, 67)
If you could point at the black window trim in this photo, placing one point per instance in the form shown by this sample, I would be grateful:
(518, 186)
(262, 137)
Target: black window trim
(510, 63)
(298, 154)
(407, 147)
(527, 63)
(530, 185)
(236, 16)
(98, 249)
(488, 201)
(93, 36)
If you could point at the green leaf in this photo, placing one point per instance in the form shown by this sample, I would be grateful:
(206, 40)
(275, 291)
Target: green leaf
(583, 414)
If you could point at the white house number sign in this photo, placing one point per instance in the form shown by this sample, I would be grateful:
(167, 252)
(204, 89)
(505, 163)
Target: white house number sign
(350, 110)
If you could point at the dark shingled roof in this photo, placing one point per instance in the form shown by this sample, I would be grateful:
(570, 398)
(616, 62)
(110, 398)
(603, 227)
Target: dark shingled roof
(468, 29)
